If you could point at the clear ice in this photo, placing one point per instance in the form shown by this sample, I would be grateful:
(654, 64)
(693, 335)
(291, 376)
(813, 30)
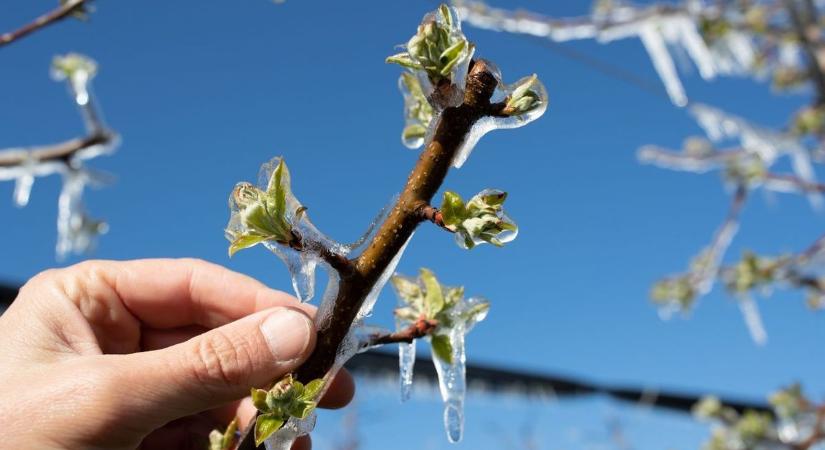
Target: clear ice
(406, 366)
(488, 123)
(301, 264)
(452, 375)
(753, 319)
(351, 345)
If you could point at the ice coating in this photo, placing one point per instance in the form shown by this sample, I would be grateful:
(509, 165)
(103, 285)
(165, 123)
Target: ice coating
(372, 297)
(302, 261)
(489, 123)
(438, 55)
(301, 267)
(418, 113)
(351, 345)
(292, 429)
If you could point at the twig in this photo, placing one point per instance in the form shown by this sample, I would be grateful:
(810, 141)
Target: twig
(434, 163)
(416, 330)
(433, 215)
(49, 18)
(803, 185)
(63, 151)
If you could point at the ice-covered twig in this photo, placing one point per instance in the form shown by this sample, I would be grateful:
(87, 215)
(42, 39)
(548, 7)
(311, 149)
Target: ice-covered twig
(416, 330)
(67, 8)
(449, 132)
(680, 292)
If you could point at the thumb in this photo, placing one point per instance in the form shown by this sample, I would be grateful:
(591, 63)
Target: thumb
(220, 365)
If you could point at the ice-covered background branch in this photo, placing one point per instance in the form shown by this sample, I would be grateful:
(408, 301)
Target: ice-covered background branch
(76, 230)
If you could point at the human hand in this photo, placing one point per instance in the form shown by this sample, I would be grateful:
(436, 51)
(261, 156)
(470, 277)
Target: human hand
(150, 353)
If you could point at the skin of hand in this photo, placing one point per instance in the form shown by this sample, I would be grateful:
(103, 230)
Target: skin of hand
(149, 354)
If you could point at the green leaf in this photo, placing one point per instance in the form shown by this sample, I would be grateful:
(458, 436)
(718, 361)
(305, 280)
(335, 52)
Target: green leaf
(277, 190)
(450, 56)
(265, 426)
(444, 10)
(413, 131)
(406, 314)
(245, 241)
(442, 348)
(403, 60)
(408, 290)
(301, 409)
(433, 297)
(312, 389)
(259, 399)
(229, 435)
(453, 211)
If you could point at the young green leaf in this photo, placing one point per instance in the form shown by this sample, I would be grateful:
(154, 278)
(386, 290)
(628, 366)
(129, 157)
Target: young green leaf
(433, 297)
(312, 389)
(265, 426)
(453, 211)
(259, 399)
(442, 348)
(244, 241)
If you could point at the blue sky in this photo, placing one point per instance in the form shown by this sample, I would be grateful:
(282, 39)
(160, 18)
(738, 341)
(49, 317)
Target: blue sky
(204, 92)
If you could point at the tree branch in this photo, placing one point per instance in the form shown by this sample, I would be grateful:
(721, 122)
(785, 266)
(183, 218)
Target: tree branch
(63, 151)
(814, 68)
(417, 330)
(453, 125)
(54, 16)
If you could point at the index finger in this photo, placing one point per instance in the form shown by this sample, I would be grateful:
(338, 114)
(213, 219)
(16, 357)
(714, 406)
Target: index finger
(170, 293)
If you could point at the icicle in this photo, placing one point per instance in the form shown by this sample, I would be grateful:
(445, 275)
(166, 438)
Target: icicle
(654, 43)
(22, 189)
(451, 383)
(487, 124)
(753, 320)
(301, 267)
(452, 374)
(76, 231)
(406, 365)
(688, 36)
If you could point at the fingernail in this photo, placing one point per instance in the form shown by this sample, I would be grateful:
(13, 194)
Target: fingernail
(288, 333)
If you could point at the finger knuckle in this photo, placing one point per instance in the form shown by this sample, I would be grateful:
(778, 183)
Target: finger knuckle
(220, 361)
